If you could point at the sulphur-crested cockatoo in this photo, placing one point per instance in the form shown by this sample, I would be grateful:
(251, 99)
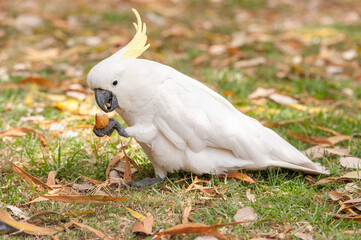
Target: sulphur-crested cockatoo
(180, 123)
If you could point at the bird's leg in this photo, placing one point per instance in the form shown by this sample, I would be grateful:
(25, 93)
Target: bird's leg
(108, 130)
(145, 182)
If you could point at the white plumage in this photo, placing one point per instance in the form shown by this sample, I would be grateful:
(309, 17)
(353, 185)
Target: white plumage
(183, 125)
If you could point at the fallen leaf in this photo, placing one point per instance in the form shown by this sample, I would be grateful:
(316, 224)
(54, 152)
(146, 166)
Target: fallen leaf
(240, 176)
(338, 151)
(308, 109)
(22, 131)
(329, 130)
(198, 228)
(18, 212)
(206, 238)
(351, 162)
(144, 226)
(314, 152)
(83, 199)
(137, 215)
(93, 181)
(261, 92)
(304, 236)
(350, 175)
(41, 81)
(83, 187)
(191, 228)
(51, 178)
(27, 227)
(337, 195)
(282, 99)
(326, 180)
(196, 180)
(127, 171)
(250, 62)
(250, 196)
(352, 232)
(336, 139)
(186, 212)
(95, 231)
(317, 151)
(246, 213)
(355, 218)
(282, 123)
(29, 178)
(310, 140)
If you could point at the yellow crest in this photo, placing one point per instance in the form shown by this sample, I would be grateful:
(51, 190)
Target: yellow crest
(137, 45)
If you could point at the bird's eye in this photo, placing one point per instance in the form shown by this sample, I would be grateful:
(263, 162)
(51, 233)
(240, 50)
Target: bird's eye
(115, 82)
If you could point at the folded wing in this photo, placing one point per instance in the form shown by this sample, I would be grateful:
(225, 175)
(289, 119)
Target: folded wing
(198, 121)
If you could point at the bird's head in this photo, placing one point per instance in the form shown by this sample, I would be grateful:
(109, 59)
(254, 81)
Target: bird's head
(109, 77)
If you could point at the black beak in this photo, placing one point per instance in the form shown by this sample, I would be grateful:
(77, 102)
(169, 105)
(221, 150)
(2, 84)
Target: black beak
(106, 100)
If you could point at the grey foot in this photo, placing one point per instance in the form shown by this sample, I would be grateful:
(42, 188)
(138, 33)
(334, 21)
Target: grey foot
(4, 228)
(108, 130)
(145, 182)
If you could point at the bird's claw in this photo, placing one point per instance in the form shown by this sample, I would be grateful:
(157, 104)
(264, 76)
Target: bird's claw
(145, 182)
(108, 130)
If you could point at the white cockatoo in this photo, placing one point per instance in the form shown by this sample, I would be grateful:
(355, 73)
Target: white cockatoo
(180, 123)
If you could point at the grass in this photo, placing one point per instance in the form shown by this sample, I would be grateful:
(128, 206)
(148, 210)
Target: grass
(282, 197)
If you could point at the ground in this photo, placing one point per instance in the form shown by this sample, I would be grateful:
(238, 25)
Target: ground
(304, 58)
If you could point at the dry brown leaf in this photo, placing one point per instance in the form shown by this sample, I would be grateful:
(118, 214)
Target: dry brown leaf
(329, 130)
(127, 171)
(356, 218)
(250, 62)
(250, 196)
(310, 140)
(93, 181)
(95, 231)
(41, 81)
(191, 228)
(314, 152)
(17, 212)
(282, 99)
(350, 175)
(145, 226)
(246, 213)
(196, 180)
(317, 151)
(261, 92)
(282, 123)
(352, 232)
(326, 180)
(351, 162)
(186, 212)
(198, 228)
(29, 178)
(22, 131)
(338, 151)
(137, 215)
(113, 162)
(206, 238)
(27, 227)
(335, 196)
(83, 187)
(339, 138)
(51, 178)
(83, 199)
(240, 176)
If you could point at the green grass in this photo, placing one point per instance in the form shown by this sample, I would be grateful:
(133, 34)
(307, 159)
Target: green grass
(282, 197)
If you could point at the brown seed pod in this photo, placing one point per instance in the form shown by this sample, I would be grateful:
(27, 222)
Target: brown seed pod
(101, 120)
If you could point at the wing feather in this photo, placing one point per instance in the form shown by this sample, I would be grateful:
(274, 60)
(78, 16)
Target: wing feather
(192, 116)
